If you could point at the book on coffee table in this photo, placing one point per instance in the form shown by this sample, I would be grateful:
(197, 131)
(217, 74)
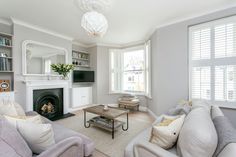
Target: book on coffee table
(105, 123)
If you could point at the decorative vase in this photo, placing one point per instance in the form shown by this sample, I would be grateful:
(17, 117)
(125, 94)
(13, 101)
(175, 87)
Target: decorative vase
(64, 77)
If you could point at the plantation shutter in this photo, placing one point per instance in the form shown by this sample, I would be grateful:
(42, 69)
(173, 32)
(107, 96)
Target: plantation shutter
(212, 61)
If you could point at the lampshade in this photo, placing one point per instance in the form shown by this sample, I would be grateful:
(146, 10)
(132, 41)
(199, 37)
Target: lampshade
(94, 23)
(93, 5)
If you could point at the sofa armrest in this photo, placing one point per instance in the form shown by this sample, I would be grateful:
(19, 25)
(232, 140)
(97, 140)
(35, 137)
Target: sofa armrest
(60, 148)
(148, 149)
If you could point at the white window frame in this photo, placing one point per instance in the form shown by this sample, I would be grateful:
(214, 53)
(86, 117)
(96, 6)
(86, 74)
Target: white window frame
(212, 62)
(147, 52)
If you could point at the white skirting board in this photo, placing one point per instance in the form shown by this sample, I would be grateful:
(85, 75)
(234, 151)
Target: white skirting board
(7, 96)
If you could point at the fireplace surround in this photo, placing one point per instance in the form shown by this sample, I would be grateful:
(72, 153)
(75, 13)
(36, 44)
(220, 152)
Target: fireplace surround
(34, 85)
(48, 102)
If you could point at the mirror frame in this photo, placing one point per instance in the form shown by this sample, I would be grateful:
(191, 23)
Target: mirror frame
(24, 64)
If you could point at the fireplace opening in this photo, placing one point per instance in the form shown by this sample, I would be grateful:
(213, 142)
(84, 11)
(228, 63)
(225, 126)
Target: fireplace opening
(49, 103)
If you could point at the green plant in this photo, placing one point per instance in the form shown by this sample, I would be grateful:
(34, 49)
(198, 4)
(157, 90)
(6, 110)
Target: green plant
(62, 69)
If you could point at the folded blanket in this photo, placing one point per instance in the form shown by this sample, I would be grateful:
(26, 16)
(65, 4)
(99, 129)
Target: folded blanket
(226, 133)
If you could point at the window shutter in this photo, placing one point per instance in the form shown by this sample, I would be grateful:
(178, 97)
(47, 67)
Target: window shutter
(201, 44)
(225, 83)
(212, 61)
(201, 83)
(225, 38)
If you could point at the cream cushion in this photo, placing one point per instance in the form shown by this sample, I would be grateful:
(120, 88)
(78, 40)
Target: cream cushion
(11, 108)
(165, 134)
(198, 137)
(38, 136)
(33, 119)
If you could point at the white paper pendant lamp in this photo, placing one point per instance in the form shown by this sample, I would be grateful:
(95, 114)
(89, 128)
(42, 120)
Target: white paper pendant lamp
(94, 23)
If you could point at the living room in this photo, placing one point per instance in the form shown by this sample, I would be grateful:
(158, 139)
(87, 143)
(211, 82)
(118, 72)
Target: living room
(104, 78)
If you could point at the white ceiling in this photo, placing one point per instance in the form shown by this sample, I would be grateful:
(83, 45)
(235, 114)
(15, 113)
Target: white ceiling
(129, 20)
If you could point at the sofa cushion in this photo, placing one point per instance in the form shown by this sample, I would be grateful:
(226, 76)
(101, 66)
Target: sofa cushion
(216, 111)
(166, 135)
(14, 119)
(61, 133)
(225, 131)
(11, 108)
(198, 136)
(11, 142)
(38, 136)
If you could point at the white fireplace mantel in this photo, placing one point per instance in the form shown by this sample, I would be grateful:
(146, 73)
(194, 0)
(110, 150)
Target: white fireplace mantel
(46, 84)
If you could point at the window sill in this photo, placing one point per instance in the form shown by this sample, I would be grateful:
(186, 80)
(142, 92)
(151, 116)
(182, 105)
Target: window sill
(126, 93)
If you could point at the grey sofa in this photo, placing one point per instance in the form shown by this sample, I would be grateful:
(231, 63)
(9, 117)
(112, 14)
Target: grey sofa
(200, 121)
(68, 142)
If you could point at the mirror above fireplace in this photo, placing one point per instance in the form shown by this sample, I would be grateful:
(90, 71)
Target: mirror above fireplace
(38, 57)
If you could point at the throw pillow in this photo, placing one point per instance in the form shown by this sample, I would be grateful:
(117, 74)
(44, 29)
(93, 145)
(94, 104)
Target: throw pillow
(33, 119)
(179, 110)
(165, 134)
(38, 136)
(198, 137)
(11, 108)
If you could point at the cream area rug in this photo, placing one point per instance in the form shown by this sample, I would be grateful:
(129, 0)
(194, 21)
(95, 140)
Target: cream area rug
(103, 140)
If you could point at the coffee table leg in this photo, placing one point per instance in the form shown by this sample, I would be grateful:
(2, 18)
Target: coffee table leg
(127, 123)
(85, 121)
(113, 131)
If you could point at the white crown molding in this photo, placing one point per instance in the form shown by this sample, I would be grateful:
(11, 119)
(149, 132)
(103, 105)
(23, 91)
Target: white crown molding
(44, 30)
(5, 21)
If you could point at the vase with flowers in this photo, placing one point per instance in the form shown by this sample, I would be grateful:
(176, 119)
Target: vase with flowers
(63, 69)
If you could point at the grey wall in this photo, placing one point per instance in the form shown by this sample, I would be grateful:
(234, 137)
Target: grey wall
(21, 34)
(170, 63)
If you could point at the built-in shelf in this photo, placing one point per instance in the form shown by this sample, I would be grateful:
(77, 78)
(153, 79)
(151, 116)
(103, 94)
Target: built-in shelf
(5, 46)
(6, 57)
(84, 66)
(5, 34)
(6, 60)
(80, 59)
(6, 71)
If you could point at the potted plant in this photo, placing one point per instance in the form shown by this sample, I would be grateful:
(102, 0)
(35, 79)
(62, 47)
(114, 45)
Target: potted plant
(63, 69)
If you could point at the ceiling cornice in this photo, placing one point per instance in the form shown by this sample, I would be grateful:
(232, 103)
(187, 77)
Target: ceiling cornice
(41, 29)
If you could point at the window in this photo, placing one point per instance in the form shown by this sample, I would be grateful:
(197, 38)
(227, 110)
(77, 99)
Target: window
(212, 61)
(130, 70)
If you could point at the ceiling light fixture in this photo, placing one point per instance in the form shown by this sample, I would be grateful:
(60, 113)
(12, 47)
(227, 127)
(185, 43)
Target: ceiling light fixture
(94, 23)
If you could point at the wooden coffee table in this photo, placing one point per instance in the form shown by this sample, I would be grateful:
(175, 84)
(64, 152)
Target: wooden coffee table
(108, 117)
